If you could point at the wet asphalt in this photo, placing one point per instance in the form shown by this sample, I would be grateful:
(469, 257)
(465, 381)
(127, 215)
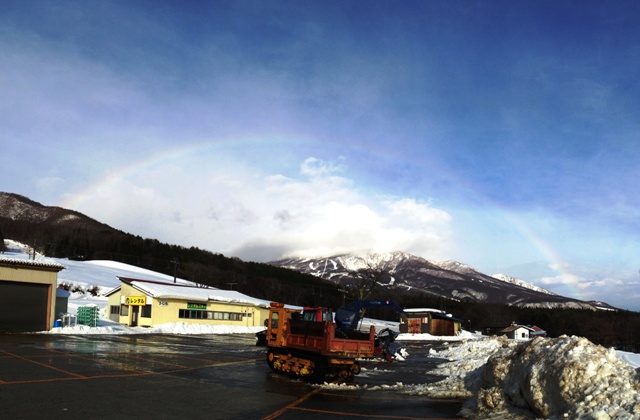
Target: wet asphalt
(194, 377)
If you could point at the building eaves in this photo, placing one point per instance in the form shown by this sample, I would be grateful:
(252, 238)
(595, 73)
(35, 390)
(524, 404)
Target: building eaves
(32, 264)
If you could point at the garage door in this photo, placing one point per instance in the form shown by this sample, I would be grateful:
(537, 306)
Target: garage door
(23, 306)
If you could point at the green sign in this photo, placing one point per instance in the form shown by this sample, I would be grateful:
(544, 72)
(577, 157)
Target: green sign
(199, 306)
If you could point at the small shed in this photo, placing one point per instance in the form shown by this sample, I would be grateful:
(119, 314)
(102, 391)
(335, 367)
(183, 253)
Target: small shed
(522, 332)
(430, 321)
(62, 301)
(517, 332)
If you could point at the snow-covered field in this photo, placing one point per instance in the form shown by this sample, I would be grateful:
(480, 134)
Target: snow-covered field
(565, 377)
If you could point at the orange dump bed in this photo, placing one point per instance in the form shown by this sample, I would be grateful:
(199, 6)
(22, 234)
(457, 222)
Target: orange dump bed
(319, 337)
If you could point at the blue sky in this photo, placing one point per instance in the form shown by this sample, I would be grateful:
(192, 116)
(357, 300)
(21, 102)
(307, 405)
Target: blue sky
(500, 134)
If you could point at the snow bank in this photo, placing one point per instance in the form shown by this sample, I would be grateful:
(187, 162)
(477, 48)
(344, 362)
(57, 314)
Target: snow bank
(463, 357)
(169, 328)
(561, 377)
(565, 377)
(463, 336)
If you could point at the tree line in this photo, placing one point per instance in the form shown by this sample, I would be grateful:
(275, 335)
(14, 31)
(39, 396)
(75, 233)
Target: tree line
(95, 241)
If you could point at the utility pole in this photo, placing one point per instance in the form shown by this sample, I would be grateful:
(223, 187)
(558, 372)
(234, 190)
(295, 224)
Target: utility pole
(232, 283)
(175, 263)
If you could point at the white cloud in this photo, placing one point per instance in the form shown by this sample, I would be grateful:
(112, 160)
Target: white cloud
(258, 217)
(49, 182)
(315, 167)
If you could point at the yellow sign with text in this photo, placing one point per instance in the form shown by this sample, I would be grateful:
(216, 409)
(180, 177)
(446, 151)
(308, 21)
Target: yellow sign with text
(134, 300)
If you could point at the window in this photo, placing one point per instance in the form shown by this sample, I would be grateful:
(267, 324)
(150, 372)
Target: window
(124, 310)
(194, 314)
(115, 310)
(274, 320)
(146, 311)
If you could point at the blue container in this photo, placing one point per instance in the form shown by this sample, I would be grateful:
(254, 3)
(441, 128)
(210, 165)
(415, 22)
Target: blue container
(57, 323)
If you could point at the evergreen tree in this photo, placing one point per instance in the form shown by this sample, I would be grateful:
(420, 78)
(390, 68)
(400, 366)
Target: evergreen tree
(3, 246)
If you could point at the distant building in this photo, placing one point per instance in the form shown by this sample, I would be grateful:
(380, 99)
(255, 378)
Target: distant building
(430, 321)
(147, 303)
(27, 295)
(522, 332)
(537, 332)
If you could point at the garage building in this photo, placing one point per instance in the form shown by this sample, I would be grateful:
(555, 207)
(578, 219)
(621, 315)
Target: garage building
(27, 295)
(148, 303)
(430, 321)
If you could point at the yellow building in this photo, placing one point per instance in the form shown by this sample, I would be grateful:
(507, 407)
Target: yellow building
(148, 303)
(27, 295)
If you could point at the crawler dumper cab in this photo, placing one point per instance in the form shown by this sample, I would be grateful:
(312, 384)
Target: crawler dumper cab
(304, 344)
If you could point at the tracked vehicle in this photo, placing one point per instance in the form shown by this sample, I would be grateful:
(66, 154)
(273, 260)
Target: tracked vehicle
(305, 344)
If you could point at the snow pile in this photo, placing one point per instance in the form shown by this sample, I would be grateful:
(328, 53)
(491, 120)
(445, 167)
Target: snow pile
(463, 358)
(401, 354)
(561, 377)
(463, 336)
(548, 378)
(182, 328)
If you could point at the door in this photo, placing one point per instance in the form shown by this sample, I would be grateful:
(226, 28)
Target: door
(135, 310)
(24, 307)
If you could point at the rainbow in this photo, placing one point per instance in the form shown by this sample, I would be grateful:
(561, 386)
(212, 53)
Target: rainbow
(168, 156)
(155, 160)
(569, 279)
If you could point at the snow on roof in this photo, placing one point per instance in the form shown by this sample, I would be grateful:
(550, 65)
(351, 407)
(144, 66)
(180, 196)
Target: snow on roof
(420, 310)
(47, 265)
(443, 315)
(161, 290)
(515, 327)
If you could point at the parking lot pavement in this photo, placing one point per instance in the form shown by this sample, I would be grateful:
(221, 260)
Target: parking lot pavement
(167, 376)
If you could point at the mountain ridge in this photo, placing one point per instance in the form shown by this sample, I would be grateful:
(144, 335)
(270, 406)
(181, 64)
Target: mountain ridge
(448, 279)
(41, 225)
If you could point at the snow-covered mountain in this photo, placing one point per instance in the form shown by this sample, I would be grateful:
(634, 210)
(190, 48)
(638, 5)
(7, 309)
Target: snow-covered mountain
(522, 283)
(448, 279)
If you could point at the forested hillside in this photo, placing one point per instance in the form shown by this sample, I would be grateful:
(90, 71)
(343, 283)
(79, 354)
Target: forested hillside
(61, 233)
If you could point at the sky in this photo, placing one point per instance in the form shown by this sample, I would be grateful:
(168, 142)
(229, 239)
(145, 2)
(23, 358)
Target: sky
(500, 134)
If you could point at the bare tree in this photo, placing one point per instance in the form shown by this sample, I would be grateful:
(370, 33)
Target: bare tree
(368, 278)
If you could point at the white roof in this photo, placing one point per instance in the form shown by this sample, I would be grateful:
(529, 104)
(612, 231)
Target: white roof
(420, 310)
(196, 294)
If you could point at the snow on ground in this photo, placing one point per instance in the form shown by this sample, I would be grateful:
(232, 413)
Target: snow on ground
(463, 336)
(182, 328)
(633, 359)
(100, 276)
(565, 377)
